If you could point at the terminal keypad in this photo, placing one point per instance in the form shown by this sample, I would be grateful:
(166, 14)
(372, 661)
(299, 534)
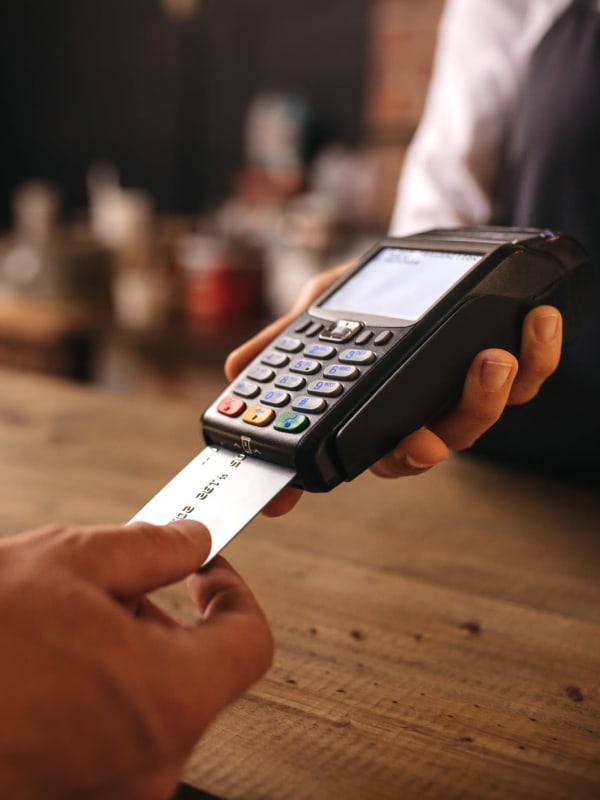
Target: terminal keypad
(297, 379)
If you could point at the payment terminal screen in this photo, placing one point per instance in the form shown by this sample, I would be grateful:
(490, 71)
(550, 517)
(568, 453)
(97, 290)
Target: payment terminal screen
(400, 283)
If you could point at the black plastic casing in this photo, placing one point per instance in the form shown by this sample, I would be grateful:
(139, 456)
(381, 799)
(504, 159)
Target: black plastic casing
(420, 371)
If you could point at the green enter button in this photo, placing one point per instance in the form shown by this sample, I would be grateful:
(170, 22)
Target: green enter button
(289, 422)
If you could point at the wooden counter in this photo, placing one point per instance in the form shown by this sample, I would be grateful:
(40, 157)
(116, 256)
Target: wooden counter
(437, 637)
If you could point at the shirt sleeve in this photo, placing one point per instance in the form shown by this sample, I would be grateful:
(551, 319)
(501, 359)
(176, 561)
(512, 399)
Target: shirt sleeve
(451, 165)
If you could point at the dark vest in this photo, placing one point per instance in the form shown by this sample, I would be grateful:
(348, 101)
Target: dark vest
(551, 179)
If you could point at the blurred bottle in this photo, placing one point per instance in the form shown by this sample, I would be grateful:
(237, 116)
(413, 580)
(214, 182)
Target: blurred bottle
(30, 265)
(122, 221)
(275, 136)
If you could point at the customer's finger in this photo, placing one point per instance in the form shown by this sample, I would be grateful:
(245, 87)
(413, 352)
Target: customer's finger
(129, 560)
(212, 664)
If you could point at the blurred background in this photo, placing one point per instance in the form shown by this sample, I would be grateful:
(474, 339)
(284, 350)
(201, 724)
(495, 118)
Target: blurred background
(172, 171)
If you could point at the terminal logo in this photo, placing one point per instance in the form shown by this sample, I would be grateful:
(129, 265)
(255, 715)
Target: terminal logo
(247, 444)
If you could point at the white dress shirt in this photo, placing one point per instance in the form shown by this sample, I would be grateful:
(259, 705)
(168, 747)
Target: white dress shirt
(452, 163)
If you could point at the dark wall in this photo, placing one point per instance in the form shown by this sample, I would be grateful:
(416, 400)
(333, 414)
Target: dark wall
(165, 100)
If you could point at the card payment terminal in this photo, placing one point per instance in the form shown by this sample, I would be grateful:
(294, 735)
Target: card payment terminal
(386, 349)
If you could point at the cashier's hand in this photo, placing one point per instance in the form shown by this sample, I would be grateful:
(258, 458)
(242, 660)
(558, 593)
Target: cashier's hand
(495, 379)
(103, 694)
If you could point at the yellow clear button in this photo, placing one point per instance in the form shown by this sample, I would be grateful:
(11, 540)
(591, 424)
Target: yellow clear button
(258, 415)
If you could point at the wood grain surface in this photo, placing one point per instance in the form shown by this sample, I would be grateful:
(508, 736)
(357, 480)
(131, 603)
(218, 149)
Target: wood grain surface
(437, 637)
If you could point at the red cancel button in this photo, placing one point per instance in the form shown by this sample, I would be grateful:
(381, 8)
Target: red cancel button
(231, 406)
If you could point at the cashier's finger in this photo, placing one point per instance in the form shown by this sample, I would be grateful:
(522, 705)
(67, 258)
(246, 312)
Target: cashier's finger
(243, 355)
(239, 358)
(541, 343)
(414, 454)
(128, 560)
(484, 397)
(283, 502)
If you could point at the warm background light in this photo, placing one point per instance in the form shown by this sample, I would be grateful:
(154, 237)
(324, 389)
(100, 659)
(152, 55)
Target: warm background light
(183, 9)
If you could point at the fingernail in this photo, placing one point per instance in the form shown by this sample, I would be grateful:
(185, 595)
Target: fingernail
(189, 527)
(413, 464)
(546, 327)
(494, 374)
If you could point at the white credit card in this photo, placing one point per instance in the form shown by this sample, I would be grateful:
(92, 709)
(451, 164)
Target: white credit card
(221, 488)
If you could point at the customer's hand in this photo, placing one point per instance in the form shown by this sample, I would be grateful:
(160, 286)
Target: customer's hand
(103, 694)
(495, 379)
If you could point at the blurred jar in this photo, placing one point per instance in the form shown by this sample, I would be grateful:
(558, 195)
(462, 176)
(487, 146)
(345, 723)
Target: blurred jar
(221, 280)
(302, 246)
